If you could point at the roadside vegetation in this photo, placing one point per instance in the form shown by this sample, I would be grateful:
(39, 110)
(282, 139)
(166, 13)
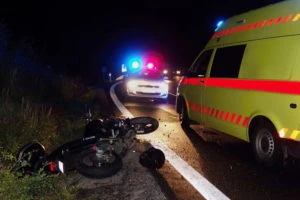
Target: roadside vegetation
(37, 104)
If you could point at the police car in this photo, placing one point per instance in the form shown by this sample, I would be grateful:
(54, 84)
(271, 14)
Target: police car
(147, 84)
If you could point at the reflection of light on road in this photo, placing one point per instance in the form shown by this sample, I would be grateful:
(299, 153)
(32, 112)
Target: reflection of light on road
(202, 185)
(167, 133)
(167, 109)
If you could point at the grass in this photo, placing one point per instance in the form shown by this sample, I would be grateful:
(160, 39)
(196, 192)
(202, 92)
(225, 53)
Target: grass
(41, 186)
(37, 107)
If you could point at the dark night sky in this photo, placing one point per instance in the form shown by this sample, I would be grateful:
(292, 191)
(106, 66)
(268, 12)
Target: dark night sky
(96, 33)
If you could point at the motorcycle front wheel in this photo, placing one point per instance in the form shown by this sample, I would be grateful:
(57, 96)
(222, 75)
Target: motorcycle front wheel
(93, 165)
(144, 125)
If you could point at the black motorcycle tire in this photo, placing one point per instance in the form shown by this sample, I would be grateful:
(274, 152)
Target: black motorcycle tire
(30, 153)
(87, 167)
(144, 125)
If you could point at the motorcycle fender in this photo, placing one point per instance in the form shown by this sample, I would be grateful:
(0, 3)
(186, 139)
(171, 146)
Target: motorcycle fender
(34, 147)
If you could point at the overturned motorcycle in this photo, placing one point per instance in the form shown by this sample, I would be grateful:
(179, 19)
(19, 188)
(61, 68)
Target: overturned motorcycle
(98, 154)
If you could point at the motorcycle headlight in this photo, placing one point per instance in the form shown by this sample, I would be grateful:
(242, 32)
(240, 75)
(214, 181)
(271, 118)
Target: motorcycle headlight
(61, 166)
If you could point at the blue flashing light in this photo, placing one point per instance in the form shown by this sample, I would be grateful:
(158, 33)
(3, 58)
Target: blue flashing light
(123, 68)
(135, 64)
(219, 24)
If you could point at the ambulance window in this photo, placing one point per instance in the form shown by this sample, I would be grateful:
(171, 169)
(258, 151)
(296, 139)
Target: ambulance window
(227, 62)
(200, 66)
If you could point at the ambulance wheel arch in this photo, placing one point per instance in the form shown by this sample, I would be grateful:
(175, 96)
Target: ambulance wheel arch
(265, 142)
(181, 108)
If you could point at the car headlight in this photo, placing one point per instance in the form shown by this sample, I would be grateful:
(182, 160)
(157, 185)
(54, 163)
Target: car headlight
(164, 87)
(131, 84)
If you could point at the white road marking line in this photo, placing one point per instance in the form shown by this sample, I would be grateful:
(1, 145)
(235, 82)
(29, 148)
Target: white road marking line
(200, 183)
(115, 99)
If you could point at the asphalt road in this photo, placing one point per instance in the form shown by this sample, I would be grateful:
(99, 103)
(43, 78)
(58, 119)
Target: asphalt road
(225, 162)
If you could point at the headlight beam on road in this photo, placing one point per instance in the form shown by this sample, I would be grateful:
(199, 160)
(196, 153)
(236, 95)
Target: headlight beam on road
(200, 183)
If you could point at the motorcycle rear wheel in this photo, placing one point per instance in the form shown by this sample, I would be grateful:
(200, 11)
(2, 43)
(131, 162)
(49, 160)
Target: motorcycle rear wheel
(28, 156)
(94, 166)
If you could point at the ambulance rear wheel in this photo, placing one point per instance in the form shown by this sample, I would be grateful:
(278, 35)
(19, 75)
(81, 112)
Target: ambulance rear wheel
(183, 116)
(266, 146)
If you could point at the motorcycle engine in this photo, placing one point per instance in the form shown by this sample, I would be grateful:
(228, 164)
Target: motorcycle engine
(96, 128)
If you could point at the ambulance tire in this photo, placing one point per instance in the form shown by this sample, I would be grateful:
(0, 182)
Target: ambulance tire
(266, 146)
(183, 116)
